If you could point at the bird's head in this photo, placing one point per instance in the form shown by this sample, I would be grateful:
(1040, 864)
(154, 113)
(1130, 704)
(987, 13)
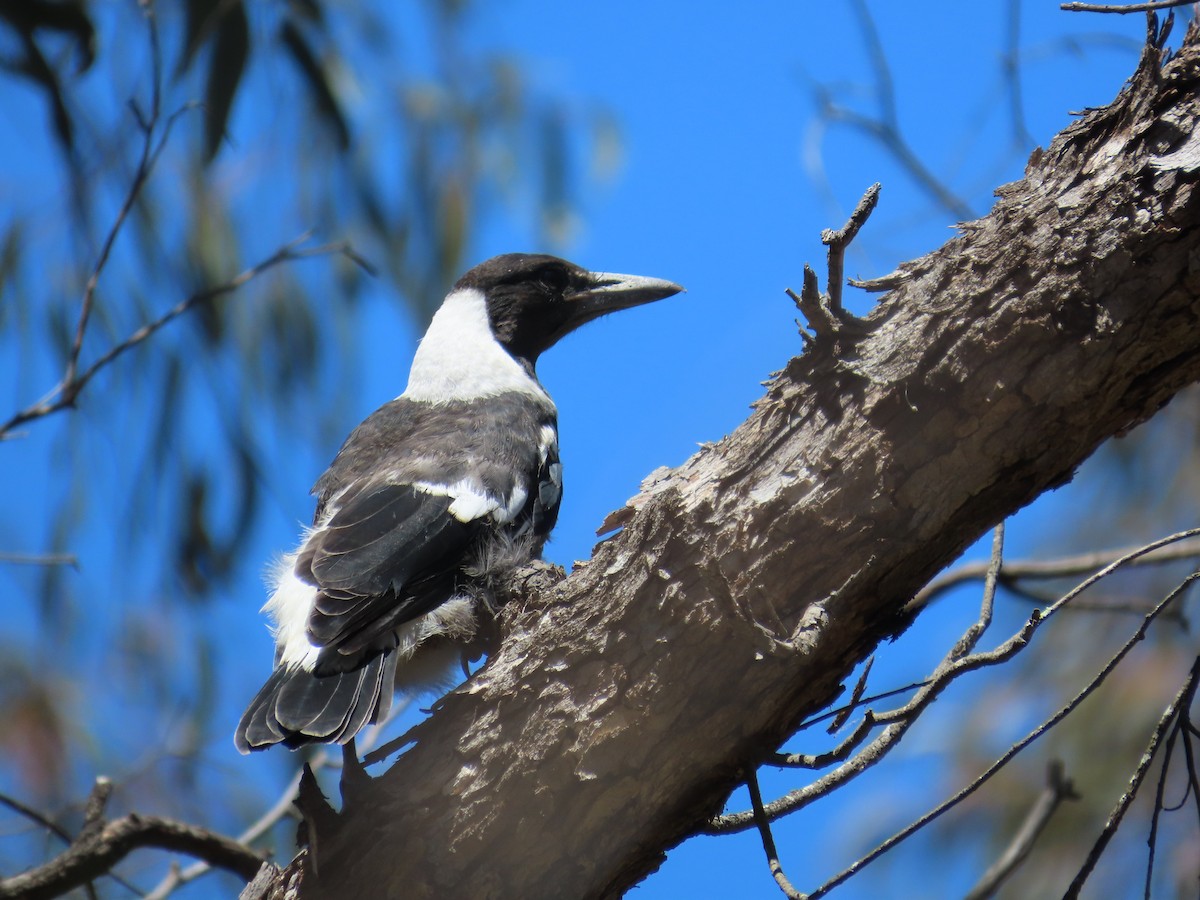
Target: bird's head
(534, 300)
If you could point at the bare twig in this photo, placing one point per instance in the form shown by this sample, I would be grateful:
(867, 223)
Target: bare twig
(957, 661)
(63, 835)
(1176, 709)
(95, 853)
(1171, 549)
(1152, 839)
(40, 559)
(1010, 66)
(1058, 788)
(954, 663)
(836, 755)
(1150, 6)
(768, 840)
(838, 240)
(34, 816)
(1011, 752)
(93, 810)
(145, 166)
(824, 312)
(64, 395)
(885, 129)
(860, 688)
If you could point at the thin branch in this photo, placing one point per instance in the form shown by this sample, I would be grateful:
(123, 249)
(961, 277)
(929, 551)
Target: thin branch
(1171, 549)
(1160, 790)
(40, 559)
(860, 688)
(64, 395)
(837, 242)
(1182, 701)
(956, 662)
(95, 855)
(894, 142)
(768, 840)
(1012, 751)
(824, 312)
(62, 834)
(1011, 69)
(970, 640)
(954, 665)
(886, 85)
(1058, 788)
(836, 755)
(1186, 728)
(34, 816)
(1150, 6)
(873, 698)
(145, 166)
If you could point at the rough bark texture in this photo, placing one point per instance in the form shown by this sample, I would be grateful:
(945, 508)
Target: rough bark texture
(613, 719)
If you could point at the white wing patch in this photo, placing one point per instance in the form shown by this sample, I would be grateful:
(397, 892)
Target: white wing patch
(471, 502)
(292, 599)
(459, 358)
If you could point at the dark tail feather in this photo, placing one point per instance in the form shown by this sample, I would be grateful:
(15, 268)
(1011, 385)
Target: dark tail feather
(297, 707)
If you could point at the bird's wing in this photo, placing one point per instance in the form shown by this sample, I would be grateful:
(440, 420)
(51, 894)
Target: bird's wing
(387, 555)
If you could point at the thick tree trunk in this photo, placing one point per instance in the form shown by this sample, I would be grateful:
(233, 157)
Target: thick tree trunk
(614, 717)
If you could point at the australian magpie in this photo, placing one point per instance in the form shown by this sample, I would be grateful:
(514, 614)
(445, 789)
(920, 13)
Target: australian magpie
(429, 501)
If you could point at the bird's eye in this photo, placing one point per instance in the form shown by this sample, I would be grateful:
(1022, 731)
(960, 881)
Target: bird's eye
(554, 279)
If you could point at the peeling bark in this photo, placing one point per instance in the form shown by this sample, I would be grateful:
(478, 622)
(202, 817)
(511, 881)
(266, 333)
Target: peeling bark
(614, 717)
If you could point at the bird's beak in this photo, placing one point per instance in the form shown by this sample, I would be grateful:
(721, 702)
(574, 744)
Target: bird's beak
(609, 292)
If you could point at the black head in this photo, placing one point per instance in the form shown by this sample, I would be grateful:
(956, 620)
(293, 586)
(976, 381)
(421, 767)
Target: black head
(533, 300)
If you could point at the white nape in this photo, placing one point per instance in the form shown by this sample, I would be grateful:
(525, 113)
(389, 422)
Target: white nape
(460, 359)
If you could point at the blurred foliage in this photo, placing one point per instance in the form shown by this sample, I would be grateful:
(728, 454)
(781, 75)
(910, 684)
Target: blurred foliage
(285, 117)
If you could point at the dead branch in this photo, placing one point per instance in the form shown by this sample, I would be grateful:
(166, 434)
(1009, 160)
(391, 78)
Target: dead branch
(772, 562)
(101, 845)
(1062, 567)
(1012, 751)
(1176, 710)
(1058, 788)
(1123, 9)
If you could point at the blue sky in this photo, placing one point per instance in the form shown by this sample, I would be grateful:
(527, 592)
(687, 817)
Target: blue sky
(726, 178)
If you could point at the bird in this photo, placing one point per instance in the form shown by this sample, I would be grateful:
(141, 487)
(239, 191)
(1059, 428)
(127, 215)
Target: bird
(428, 504)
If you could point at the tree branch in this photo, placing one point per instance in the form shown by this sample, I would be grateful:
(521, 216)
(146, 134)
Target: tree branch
(624, 704)
(100, 846)
(1176, 709)
(1062, 567)
(1058, 788)
(1012, 751)
(1123, 9)
(768, 840)
(65, 394)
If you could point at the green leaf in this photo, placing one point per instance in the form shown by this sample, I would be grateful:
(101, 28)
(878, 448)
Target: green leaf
(202, 18)
(317, 81)
(225, 68)
(65, 16)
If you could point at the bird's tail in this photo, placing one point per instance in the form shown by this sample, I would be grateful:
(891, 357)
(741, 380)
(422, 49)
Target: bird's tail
(297, 706)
